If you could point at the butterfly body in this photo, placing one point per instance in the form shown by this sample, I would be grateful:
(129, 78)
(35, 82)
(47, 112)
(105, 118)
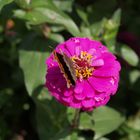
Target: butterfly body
(66, 67)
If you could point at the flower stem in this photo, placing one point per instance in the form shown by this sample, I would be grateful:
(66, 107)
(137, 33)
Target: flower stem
(75, 121)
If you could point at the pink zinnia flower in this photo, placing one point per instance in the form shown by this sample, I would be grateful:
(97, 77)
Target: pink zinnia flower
(96, 71)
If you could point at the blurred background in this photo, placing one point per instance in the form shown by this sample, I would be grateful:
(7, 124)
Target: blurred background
(28, 29)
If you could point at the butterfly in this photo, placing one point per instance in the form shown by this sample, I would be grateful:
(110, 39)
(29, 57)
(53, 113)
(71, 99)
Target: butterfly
(66, 67)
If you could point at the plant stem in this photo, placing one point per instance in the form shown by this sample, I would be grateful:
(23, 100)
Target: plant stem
(76, 118)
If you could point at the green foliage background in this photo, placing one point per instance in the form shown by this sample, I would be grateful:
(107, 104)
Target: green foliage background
(28, 29)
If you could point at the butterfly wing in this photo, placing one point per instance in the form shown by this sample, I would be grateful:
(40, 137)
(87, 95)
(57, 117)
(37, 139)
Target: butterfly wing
(70, 65)
(65, 65)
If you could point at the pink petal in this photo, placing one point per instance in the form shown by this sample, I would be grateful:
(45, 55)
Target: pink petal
(95, 53)
(85, 44)
(108, 56)
(107, 70)
(100, 84)
(79, 87)
(98, 62)
(103, 101)
(103, 49)
(96, 44)
(88, 90)
(87, 103)
(75, 103)
(67, 99)
(70, 47)
(68, 92)
(80, 96)
(77, 50)
(51, 62)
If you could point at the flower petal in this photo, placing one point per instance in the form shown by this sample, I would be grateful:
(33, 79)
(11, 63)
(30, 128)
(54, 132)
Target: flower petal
(88, 90)
(98, 62)
(87, 103)
(100, 84)
(75, 103)
(107, 70)
(79, 87)
(80, 96)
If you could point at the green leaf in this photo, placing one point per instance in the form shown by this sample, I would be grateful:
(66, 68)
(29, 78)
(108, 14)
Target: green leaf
(65, 5)
(57, 28)
(102, 121)
(51, 119)
(32, 64)
(97, 29)
(129, 55)
(85, 32)
(74, 136)
(83, 15)
(117, 17)
(70, 114)
(134, 76)
(4, 2)
(42, 94)
(106, 120)
(134, 122)
(33, 53)
(86, 121)
(48, 13)
(110, 30)
(103, 138)
(106, 30)
(56, 37)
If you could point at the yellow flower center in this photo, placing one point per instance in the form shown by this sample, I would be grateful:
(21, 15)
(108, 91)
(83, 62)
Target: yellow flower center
(82, 65)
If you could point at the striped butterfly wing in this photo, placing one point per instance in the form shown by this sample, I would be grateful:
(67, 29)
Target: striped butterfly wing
(66, 67)
(70, 65)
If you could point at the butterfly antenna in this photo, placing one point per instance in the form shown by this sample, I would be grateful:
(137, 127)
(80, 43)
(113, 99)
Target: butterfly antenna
(61, 51)
(51, 48)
